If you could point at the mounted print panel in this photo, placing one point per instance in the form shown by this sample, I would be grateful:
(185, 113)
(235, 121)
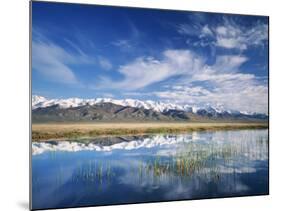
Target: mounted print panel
(134, 105)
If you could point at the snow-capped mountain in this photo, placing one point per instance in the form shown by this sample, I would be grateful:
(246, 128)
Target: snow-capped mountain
(42, 102)
(37, 99)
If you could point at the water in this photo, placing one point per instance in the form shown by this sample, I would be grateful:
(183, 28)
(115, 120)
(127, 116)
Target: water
(120, 170)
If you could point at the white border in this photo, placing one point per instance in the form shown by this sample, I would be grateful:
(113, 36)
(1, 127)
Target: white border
(14, 82)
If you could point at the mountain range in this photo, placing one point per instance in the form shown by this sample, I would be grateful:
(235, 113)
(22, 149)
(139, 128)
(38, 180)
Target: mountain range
(107, 109)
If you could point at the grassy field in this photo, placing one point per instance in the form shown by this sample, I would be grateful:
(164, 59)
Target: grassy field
(60, 131)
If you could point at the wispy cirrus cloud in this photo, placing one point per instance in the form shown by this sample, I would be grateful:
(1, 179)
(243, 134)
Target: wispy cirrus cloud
(123, 44)
(226, 34)
(229, 63)
(104, 63)
(54, 62)
(237, 93)
(131, 41)
(144, 71)
(231, 35)
(222, 83)
(187, 58)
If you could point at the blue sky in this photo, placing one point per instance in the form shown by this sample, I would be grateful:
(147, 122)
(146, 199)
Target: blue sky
(181, 57)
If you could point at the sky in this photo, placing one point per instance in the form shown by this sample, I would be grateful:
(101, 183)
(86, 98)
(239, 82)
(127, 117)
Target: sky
(180, 57)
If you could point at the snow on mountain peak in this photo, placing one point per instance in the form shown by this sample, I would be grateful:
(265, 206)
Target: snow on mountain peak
(37, 99)
(41, 102)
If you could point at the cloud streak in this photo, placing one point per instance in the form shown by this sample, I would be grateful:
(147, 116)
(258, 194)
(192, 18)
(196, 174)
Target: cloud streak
(104, 63)
(131, 41)
(219, 84)
(55, 62)
(232, 36)
(226, 34)
(52, 62)
(145, 71)
(203, 63)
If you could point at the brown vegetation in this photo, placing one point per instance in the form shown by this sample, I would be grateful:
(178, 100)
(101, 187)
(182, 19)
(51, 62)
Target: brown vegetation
(87, 130)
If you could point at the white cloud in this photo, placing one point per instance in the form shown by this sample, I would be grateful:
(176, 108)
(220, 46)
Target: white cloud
(132, 39)
(227, 34)
(104, 63)
(258, 34)
(220, 84)
(206, 31)
(189, 29)
(233, 36)
(54, 62)
(235, 94)
(124, 45)
(145, 71)
(51, 61)
(230, 36)
(230, 43)
(221, 30)
(229, 62)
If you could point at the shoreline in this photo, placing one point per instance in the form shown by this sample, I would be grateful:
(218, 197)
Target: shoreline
(64, 131)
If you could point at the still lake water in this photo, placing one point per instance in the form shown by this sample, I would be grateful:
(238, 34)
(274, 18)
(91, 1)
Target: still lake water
(120, 170)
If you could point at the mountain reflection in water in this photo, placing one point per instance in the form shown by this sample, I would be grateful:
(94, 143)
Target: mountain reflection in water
(116, 170)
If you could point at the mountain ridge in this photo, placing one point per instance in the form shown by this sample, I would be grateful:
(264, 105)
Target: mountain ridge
(102, 110)
(40, 101)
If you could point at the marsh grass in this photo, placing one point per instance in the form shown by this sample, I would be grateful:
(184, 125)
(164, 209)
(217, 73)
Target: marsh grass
(93, 172)
(196, 160)
(80, 131)
(192, 160)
